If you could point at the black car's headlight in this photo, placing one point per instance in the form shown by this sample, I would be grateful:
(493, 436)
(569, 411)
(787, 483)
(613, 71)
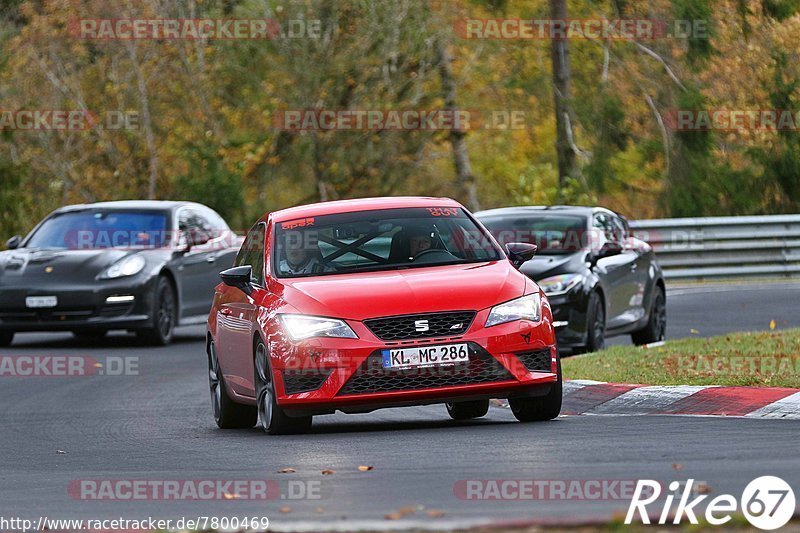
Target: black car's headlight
(129, 266)
(555, 285)
(300, 327)
(526, 308)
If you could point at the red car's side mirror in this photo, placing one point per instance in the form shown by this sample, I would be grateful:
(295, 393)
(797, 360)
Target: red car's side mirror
(520, 252)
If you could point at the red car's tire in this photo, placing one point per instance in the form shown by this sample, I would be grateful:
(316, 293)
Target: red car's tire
(467, 410)
(539, 408)
(227, 413)
(271, 417)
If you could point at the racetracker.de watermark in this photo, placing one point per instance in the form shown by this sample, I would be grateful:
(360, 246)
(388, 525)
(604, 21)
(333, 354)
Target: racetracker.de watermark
(545, 489)
(66, 120)
(402, 119)
(732, 119)
(587, 28)
(734, 365)
(193, 29)
(124, 490)
(26, 366)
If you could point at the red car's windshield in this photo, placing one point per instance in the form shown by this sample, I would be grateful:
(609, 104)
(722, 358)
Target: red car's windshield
(386, 239)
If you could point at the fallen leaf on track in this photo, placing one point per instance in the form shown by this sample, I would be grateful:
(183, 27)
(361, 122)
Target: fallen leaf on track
(677, 466)
(366, 468)
(285, 510)
(287, 471)
(328, 472)
(435, 513)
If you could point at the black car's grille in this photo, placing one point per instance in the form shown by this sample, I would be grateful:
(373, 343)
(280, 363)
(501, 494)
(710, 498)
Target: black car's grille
(397, 328)
(297, 381)
(536, 361)
(42, 315)
(372, 377)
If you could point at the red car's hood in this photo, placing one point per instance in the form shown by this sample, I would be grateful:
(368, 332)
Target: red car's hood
(360, 296)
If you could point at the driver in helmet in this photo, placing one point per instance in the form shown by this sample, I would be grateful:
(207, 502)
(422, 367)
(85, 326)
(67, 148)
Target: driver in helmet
(301, 257)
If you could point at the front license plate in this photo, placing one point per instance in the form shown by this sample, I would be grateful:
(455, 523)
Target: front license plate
(425, 356)
(40, 302)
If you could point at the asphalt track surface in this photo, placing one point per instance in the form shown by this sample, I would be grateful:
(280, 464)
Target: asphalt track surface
(157, 425)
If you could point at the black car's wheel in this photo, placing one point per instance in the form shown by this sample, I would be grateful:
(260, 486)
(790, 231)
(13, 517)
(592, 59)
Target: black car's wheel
(227, 413)
(6, 338)
(468, 409)
(165, 315)
(539, 408)
(89, 334)
(595, 324)
(656, 328)
(271, 417)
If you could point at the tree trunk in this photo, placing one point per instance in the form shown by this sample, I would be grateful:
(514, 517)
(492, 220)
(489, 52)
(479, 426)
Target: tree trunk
(464, 177)
(562, 80)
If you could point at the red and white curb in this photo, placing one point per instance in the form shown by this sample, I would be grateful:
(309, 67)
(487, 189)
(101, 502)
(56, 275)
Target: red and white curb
(584, 397)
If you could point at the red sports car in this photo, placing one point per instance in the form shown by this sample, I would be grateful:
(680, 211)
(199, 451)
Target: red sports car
(363, 304)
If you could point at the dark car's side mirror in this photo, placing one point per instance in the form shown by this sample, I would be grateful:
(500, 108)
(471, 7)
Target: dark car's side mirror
(607, 250)
(520, 252)
(14, 242)
(238, 277)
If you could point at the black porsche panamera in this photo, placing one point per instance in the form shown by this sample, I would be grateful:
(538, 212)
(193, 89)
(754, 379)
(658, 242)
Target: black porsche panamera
(601, 281)
(142, 266)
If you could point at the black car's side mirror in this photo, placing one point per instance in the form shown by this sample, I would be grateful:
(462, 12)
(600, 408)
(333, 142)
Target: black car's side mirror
(14, 242)
(238, 277)
(520, 252)
(607, 250)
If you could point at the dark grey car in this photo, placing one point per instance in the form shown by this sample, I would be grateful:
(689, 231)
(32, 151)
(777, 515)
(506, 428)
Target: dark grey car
(143, 266)
(600, 280)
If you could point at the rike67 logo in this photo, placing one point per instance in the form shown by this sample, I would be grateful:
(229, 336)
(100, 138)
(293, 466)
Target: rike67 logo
(767, 502)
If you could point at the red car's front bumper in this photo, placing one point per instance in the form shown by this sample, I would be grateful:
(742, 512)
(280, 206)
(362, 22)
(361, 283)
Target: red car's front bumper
(517, 358)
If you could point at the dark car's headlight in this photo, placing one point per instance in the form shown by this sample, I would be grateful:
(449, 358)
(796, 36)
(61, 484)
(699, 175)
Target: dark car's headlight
(129, 266)
(559, 284)
(300, 327)
(526, 308)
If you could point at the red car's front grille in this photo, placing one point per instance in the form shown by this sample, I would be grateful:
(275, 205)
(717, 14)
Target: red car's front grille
(297, 381)
(536, 361)
(371, 377)
(398, 328)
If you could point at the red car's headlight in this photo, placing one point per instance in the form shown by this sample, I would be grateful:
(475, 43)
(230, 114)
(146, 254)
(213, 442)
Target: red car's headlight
(300, 327)
(526, 308)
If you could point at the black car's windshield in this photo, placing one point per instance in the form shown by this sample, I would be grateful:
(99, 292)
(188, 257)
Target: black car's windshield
(385, 239)
(99, 229)
(553, 234)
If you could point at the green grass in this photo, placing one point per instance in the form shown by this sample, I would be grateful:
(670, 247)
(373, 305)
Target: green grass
(764, 359)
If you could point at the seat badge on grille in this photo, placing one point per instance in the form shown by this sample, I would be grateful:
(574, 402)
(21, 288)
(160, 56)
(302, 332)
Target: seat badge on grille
(421, 325)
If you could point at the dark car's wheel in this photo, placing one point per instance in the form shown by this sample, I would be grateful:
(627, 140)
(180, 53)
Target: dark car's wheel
(6, 338)
(164, 315)
(595, 324)
(656, 328)
(468, 409)
(89, 334)
(271, 417)
(539, 408)
(227, 413)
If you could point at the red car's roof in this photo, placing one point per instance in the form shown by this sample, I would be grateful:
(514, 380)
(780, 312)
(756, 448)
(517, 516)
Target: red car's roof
(362, 204)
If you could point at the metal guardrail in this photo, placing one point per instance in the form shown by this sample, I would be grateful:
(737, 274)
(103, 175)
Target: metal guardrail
(696, 249)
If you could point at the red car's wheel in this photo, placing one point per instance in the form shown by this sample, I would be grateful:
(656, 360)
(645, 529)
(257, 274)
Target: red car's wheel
(271, 417)
(539, 408)
(227, 413)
